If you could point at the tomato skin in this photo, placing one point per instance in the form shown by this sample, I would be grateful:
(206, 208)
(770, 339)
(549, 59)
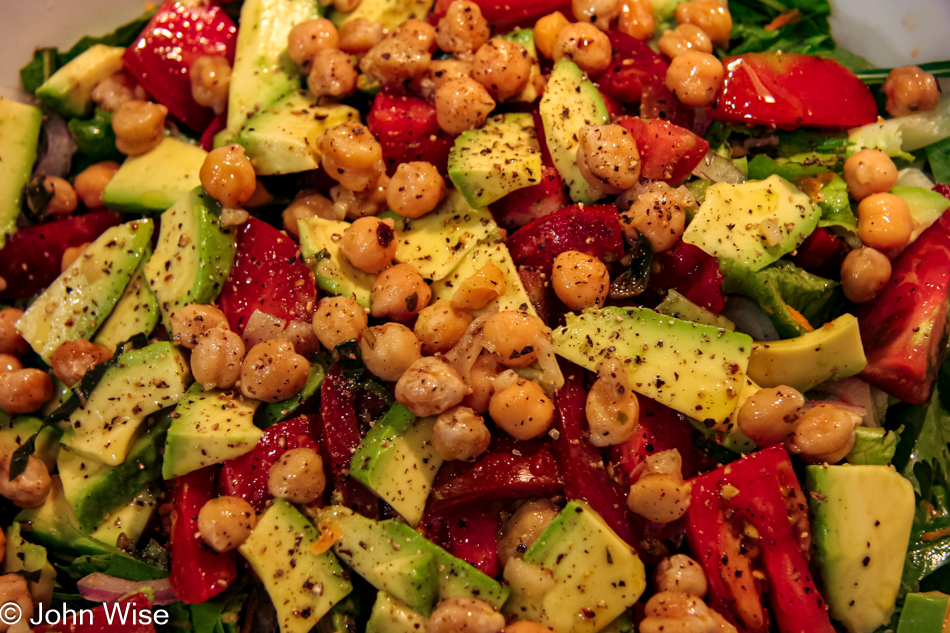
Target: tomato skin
(633, 66)
(690, 271)
(591, 229)
(660, 429)
(821, 253)
(470, 535)
(788, 90)
(668, 152)
(506, 14)
(408, 130)
(530, 203)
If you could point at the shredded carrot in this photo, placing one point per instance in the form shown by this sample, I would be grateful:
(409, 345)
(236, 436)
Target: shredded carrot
(812, 185)
(330, 533)
(935, 534)
(784, 20)
(799, 318)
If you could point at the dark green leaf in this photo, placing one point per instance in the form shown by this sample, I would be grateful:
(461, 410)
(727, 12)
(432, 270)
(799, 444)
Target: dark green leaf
(95, 140)
(761, 167)
(717, 452)
(350, 358)
(851, 61)
(635, 279)
(938, 155)
(32, 576)
(43, 65)
(21, 457)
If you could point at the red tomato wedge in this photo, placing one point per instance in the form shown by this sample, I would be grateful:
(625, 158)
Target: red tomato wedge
(408, 130)
(668, 152)
(788, 90)
(591, 229)
(506, 14)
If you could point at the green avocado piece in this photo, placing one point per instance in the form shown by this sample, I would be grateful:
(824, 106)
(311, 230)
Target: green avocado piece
(320, 247)
(490, 162)
(193, 256)
(398, 462)
(80, 299)
(130, 520)
(367, 546)
(570, 102)
(284, 138)
(926, 206)
(754, 222)
(390, 615)
(412, 580)
(695, 369)
(143, 382)
(594, 576)
(675, 304)
(23, 556)
(861, 523)
(389, 13)
(20, 130)
(153, 182)
(832, 351)
(923, 613)
(69, 90)
(136, 311)
(210, 427)
(302, 585)
(271, 413)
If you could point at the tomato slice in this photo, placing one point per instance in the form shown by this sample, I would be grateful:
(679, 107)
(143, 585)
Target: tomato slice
(507, 14)
(408, 130)
(668, 152)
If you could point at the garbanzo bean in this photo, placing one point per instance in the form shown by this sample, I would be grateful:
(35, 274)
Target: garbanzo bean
(608, 159)
(115, 90)
(514, 336)
(24, 390)
(228, 176)
(523, 528)
(388, 350)
(30, 488)
(9, 362)
(217, 358)
(685, 37)
(72, 359)
(658, 497)
(695, 78)
(359, 35)
(580, 280)
(226, 522)
(442, 71)
(440, 326)
(909, 89)
(360, 204)
(308, 203)
(667, 612)
(392, 61)
(210, 81)
(193, 319)
(864, 273)
(462, 29)
(465, 615)
(681, 574)
(417, 33)
(306, 39)
(884, 221)
(351, 155)
(71, 254)
(637, 19)
(586, 45)
(15, 589)
(333, 74)
(10, 340)
(658, 213)
(92, 181)
(600, 13)
(521, 409)
(460, 434)
(481, 380)
(612, 408)
(139, 126)
(63, 199)
(546, 30)
(502, 66)
(712, 16)
(484, 286)
(869, 171)
(338, 319)
(399, 293)
(273, 371)
(370, 244)
(462, 104)
(770, 415)
(415, 189)
(825, 434)
(430, 386)
(297, 476)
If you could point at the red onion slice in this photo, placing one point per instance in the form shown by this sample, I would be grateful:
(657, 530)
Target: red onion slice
(57, 156)
(718, 169)
(99, 587)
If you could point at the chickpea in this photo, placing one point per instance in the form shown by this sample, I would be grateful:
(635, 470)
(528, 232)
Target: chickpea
(193, 319)
(359, 35)
(475, 292)
(440, 326)
(351, 155)
(442, 71)
(333, 74)
(579, 280)
(415, 189)
(226, 522)
(10, 340)
(612, 408)
(8, 363)
(360, 204)
(31, 487)
(600, 13)
(63, 199)
(92, 181)
(388, 350)
(139, 126)
(24, 390)
(864, 273)
(546, 30)
(525, 626)
(503, 67)
(523, 528)
(298, 476)
(637, 19)
(514, 336)
(71, 254)
(586, 45)
(462, 29)
(392, 62)
(658, 497)
(308, 38)
(909, 89)
(825, 434)
(770, 415)
(685, 37)
(430, 386)
(695, 78)
(14, 588)
(228, 176)
(308, 203)
(273, 371)
(712, 16)
(869, 171)
(210, 81)
(346, 6)
(680, 574)
(370, 244)
(669, 612)
(608, 159)
(72, 359)
(113, 91)
(338, 319)
(659, 213)
(522, 409)
(399, 293)
(884, 221)
(417, 33)
(481, 379)
(462, 104)
(216, 359)
(460, 434)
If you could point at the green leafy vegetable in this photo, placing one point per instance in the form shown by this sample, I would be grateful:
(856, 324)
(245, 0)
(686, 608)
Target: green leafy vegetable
(873, 447)
(761, 167)
(95, 140)
(793, 26)
(21, 457)
(222, 613)
(938, 155)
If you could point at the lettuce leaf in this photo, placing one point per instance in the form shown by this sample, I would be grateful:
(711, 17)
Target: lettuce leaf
(938, 156)
(834, 202)
(873, 447)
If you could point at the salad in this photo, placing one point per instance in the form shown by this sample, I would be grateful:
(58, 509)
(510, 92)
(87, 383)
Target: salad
(471, 316)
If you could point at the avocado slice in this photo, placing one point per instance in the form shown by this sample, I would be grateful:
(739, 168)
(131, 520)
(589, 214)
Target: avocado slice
(922, 613)
(389, 12)
(391, 615)
(570, 102)
(411, 579)
(210, 427)
(926, 206)
(20, 130)
(271, 413)
(490, 162)
(303, 585)
(130, 520)
(80, 299)
(30, 558)
(136, 311)
(862, 519)
(320, 247)
(695, 369)
(832, 351)
(153, 182)
(398, 462)
(69, 90)
(675, 304)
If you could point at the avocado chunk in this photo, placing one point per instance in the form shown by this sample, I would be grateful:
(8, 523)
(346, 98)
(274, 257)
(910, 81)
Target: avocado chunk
(130, 520)
(263, 72)
(20, 130)
(136, 311)
(926, 206)
(80, 300)
(862, 522)
(593, 575)
(194, 254)
(675, 304)
(22, 428)
(303, 585)
(390, 615)
(284, 138)
(490, 162)
(570, 102)
(210, 427)
(411, 579)
(832, 351)
(153, 182)
(398, 461)
(143, 382)
(29, 558)
(271, 413)
(923, 613)
(695, 369)
(94, 489)
(367, 546)
(69, 90)
(391, 14)
(754, 222)
(320, 247)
